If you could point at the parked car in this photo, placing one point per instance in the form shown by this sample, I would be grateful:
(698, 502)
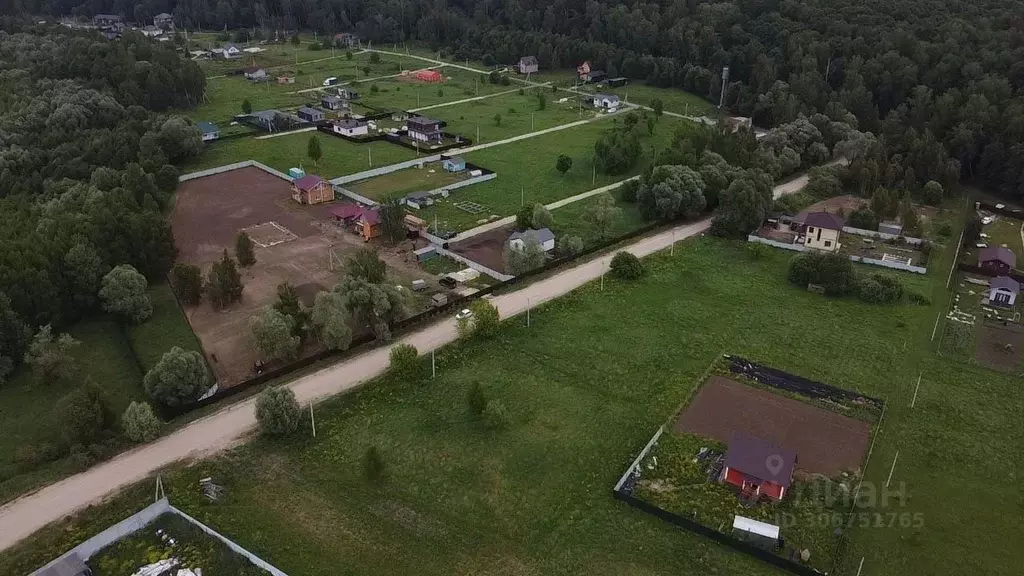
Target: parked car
(464, 315)
(331, 81)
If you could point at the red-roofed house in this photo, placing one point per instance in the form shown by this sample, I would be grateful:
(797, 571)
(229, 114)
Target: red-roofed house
(346, 212)
(312, 189)
(821, 231)
(368, 224)
(429, 76)
(758, 468)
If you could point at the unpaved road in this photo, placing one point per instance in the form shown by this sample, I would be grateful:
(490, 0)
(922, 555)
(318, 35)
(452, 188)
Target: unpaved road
(229, 426)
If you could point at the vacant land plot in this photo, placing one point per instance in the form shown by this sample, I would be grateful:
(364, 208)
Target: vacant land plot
(487, 248)
(825, 442)
(406, 93)
(844, 205)
(1000, 345)
(506, 115)
(166, 329)
(431, 176)
(340, 157)
(1005, 232)
(570, 220)
(526, 172)
(584, 385)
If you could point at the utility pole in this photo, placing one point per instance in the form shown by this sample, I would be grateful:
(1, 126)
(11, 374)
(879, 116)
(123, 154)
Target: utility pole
(532, 114)
(522, 196)
(433, 365)
(312, 420)
(725, 82)
(602, 281)
(527, 312)
(593, 179)
(672, 250)
(369, 156)
(477, 133)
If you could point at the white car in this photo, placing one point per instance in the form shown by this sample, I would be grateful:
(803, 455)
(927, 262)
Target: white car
(331, 81)
(464, 315)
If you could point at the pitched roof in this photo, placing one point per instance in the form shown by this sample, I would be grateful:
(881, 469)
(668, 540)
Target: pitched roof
(1005, 283)
(309, 110)
(163, 15)
(371, 217)
(350, 123)
(418, 195)
(207, 127)
(422, 121)
(457, 159)
(542, 235)
(346, 210)
(760, 459)
(528, 60)
(824, 220)
(1000, 253)
(331, 98)
(308, 182)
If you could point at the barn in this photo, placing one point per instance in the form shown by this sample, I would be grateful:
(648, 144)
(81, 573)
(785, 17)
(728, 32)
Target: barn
(758, 468)
(429, 76)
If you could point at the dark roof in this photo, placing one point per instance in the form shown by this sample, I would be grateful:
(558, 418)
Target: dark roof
(457, 159)
(331, 98)
(252, 69)
(350, 123)
(370, 217)
(308, 182)
(1005, 283)
(310, 111)
(760, 459)
(163, 15)
(999, 253)
(422, 121)
(207, 127)
(418, 195)
(346, 210)
(824, 220)
(542, 235)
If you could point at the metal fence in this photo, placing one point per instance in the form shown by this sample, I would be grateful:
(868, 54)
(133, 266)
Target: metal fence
(883, 235)
(776, 244)
(385, 169)
(793, 383)
(237, 549)
(889, 264)
(474, 265)
(230, 167)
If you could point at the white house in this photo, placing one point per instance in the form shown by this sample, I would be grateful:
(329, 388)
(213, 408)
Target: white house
(544, 236)
(606, 101)
(230, 52)
(1003, 291)
(349, 127)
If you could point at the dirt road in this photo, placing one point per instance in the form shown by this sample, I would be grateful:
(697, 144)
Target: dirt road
(229, 426)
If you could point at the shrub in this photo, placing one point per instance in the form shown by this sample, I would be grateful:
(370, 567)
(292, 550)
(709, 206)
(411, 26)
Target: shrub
(139, 423)
(486, 320)
(756, 250)
(863, 218)
(124, 294)
(944, 230)
(79, 415)
(627, 266)
(627, 191)
(180, 377)
(373, 465)
(918, 298)
(277, 411)
(494, 415)
(476, 400)
(834, 272)
(405, 362)
(879, 289)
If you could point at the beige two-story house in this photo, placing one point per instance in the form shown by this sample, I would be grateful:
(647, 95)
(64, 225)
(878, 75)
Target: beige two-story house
(821, 231)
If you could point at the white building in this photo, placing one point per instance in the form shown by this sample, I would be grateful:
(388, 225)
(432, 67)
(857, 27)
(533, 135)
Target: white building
(544, 236)
(349, 127)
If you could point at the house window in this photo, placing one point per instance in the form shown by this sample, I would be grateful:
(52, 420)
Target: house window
(810, 229)
(828, 243)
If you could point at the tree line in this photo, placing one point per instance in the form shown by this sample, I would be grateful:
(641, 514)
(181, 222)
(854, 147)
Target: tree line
(87, 165)
(930, 76)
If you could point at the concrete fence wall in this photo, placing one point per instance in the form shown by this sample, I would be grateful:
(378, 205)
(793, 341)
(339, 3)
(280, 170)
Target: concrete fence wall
(884, 236)
(888, 264)
(636, 462)
(474, 265)
(122, 529)
(464, 183)
(140, 520)
(384, 169)
(256, 560)
(230, 167)
(354, 196)
(783, 245)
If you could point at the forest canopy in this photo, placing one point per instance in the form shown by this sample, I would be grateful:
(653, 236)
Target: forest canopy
(86, 166)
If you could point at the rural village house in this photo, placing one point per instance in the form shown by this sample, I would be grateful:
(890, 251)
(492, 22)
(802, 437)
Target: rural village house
(544, 236)
(312, 189)
(997, 259)
(332, 102)
(454, 164)
(164, 20)
(605, 101)
(209, 130)
(255, 74)
(1003, 291)
(822, 231)
(311, 114)
(527, 65)
(350, 127)
(346, 39)
(758, 468)
(423, 129)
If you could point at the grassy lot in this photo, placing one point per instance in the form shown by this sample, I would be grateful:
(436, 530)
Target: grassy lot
(1003, 232)
(442, 265)
(403, 182)
(526, 172)
(569, 220)
(674, 99)
(167, 328)
(26, 407)
(405, 94)
(519, 115)
(534, 497)
(340, 157)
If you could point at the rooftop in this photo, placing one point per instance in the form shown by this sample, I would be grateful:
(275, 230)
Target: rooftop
(207, 127)
(1000, 253)
(542, 235)
(824, 220)
(1005, 283)
(308, 182)
(760, 459)
(309, 110)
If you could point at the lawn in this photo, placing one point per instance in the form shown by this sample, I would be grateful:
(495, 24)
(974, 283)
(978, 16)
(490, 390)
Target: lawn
(406, 94)
(26, 407)
(584, 386)
(569, 220)
(526, 172)
(519, 115)
(1003, 232)
(340, 157)
(166, 329)
(403, 182)
(637, 92)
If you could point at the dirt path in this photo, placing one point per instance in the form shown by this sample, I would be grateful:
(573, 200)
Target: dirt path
(229, 426)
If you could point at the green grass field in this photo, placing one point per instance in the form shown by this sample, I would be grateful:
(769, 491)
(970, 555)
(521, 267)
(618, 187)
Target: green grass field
(526, 172)
(585, 386)
(166, 329)
(26, 407)
(407, 94)
(402, 182)
(519, 115)
(569, 220)
(340, 157)
(1003, 232)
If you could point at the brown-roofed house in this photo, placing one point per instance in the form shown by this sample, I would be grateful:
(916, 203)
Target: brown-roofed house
(312, 189)
(758, 468)
(821, 230)
(997, 259)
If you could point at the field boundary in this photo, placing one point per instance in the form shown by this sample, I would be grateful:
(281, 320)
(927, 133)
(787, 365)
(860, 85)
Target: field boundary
(235, 166)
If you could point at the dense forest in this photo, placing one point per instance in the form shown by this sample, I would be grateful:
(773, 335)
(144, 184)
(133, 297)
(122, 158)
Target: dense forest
(86, 166)
(928, 75)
